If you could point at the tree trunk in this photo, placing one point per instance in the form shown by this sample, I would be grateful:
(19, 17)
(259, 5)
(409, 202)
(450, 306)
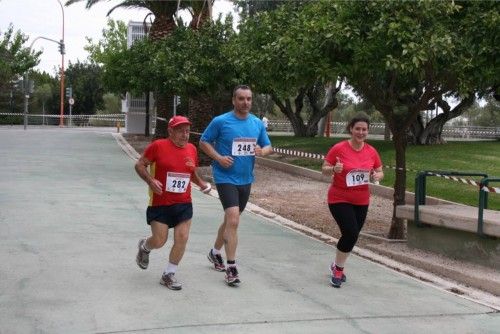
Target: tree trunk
(164, 111)
(416, 129)
(200, 107)
(387, 132)
(311, 128)
(432, 134)
(162, 26)
(322, 126)
(299, 129)
(146, 124)
(298, 126)
(397, 230)
(200, 113)
(330, 102)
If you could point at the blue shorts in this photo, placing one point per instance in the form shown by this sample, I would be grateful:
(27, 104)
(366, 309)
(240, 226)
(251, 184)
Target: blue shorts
(171, 215)
(232, 195)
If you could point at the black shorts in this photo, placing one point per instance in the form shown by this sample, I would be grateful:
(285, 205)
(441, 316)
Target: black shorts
(232, 195)
(171, 215)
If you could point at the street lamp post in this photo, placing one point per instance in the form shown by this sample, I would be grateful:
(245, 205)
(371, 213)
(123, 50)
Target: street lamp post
(28, 86)
(61, 116)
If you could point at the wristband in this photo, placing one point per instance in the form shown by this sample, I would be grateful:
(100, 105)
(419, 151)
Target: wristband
(207, 189)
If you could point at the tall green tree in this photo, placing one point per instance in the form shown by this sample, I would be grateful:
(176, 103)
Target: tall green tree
(15, 57)
(250, 8)
(112, 53)
(43, 94)
(43, 102)
(113, 41)
(272, 53)
(85, 80)
(401, 56)
(164, 24)
(476, 28)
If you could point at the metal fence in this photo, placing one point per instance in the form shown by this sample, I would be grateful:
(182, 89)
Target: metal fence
(109, 120)
(449, 131)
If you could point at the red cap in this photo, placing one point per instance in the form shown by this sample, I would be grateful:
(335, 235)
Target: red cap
(178, 120)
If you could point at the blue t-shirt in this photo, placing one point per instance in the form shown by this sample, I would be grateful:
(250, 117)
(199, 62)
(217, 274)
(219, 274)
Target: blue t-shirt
(227, 133)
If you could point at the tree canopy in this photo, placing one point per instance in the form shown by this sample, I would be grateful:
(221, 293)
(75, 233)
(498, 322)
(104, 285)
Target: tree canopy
(85, 80)
(15, 57)
(401, 58)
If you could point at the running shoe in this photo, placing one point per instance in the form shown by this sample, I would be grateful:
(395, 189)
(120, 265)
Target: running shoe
(337, 278)
(170, 282)
(217, 261)
(142, 257)
(232, 278)
(332, 270)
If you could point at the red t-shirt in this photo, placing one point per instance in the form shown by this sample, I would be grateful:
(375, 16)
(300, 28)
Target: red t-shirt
(170, 160)
(351, 185)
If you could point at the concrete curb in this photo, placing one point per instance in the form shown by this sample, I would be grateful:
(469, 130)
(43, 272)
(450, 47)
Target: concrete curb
(483, 283)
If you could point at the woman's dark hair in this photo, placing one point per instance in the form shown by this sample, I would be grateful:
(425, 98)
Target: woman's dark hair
(356, 119)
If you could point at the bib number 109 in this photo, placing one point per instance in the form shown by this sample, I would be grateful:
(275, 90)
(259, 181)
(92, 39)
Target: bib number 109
(357, 178)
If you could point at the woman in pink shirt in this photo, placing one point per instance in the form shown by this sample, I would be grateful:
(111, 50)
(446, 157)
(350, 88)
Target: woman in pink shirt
(353, 163)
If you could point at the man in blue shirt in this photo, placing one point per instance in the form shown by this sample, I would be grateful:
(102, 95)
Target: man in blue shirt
(233, 140)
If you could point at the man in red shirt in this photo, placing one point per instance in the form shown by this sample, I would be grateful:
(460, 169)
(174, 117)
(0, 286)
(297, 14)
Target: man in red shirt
(172, 166)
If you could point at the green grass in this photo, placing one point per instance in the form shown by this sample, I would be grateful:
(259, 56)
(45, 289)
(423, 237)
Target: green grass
(474, 156)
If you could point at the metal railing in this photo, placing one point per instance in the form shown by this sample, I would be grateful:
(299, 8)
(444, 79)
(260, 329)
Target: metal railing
(75, 120)
(483, 201)
(420, 193)
(449, 131)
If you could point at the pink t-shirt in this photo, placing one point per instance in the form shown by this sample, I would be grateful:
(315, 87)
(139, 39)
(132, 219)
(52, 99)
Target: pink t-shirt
(351, 185)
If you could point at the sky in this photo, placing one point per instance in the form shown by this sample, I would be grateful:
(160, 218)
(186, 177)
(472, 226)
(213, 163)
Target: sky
(44, 18)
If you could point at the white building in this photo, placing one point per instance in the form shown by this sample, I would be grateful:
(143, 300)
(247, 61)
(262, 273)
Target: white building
(134, 107)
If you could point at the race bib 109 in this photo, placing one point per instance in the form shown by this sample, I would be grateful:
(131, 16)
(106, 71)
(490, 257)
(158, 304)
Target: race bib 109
(177, 182)
(244, 146)
(357, 177)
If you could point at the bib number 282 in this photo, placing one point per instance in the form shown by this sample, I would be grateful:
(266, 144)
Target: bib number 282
(177, 182)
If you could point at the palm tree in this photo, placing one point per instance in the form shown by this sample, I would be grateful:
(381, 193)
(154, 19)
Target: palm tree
(163, 25)
(201, 108)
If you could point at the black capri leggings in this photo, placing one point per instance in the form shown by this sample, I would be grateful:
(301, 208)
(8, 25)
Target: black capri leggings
(350, 219)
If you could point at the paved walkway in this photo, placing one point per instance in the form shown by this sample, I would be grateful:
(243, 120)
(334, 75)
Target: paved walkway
(72, 210)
